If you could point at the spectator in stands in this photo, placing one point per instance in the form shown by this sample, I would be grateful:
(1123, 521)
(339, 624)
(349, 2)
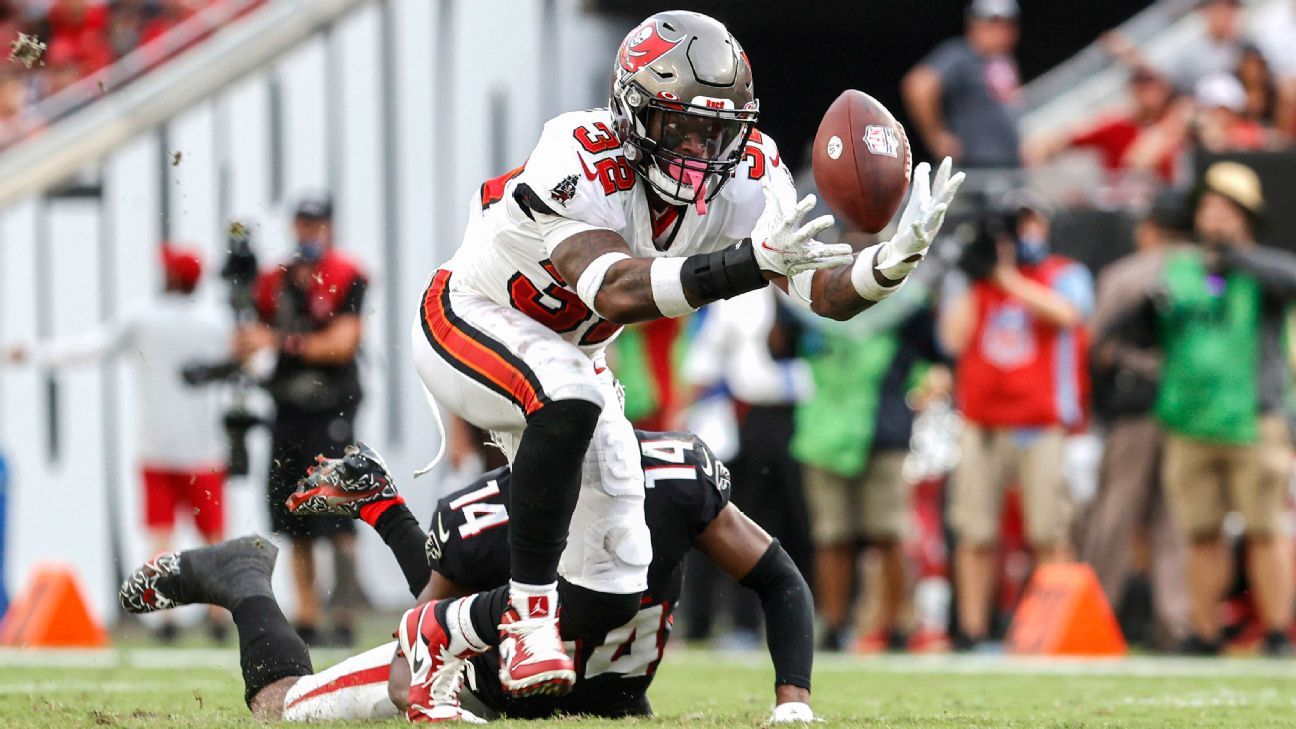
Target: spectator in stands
(1259, 84)
(1216, 49)
(1021, 383)
(311, 324)
(741, 346)
(125, 25)
(1221, 124)
(964, 97)
(1147, 137)
(11, 20)
(1128, 536)
(1275, 31)
(852, 438)
(62, 68)
(181, 449)
(13, 99)
(1219, 313)
(1274, 35)
(170, 14)
(645, 356)
(82, 25)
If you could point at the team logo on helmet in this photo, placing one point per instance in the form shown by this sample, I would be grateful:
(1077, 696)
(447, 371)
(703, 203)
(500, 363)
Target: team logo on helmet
(644, 46)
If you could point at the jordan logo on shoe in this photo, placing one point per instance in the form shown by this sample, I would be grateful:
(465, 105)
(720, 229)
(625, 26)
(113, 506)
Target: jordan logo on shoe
(537, 607)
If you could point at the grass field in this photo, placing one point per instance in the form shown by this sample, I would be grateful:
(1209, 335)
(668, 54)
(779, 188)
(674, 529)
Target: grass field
(201, 688)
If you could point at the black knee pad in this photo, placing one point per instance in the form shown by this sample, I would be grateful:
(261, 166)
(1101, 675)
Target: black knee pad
(587, 613)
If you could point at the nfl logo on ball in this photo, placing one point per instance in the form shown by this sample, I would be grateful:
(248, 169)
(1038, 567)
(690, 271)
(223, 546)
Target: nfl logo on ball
(882, 140)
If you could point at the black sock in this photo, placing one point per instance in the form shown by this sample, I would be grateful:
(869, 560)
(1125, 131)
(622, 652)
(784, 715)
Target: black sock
(587, 613)
(408, 542)
(545, 483)
(486, 613)
(269, 648)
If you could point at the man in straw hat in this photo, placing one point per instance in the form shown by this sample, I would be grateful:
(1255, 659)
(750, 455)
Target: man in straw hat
(1219, 313)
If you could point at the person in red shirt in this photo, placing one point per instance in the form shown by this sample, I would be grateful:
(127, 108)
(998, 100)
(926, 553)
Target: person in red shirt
(83, 26)
(1147, 137)
(1021, 385)
(1221, 124)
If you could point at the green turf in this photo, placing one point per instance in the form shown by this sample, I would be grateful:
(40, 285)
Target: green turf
(703, 689)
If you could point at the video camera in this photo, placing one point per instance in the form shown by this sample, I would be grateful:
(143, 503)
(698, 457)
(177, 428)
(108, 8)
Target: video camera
(239, 274)
(980, 231)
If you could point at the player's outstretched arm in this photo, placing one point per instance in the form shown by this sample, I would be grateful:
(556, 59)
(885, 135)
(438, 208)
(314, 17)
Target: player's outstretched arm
(746, 553)
(624, 289)
(878, 271)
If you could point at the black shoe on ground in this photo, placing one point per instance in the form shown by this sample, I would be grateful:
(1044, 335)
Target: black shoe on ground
(168, 633)
(1277, 645)
(343, 637)
(217, 630)
(832, 641)
(222, 574)
(309, 634)
(1197, 646)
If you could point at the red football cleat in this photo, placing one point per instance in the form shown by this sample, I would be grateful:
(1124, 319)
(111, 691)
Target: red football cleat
(436, 674)
(533, 661)
(341, 486)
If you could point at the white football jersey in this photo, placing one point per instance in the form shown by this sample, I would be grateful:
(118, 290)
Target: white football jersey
(578, 171)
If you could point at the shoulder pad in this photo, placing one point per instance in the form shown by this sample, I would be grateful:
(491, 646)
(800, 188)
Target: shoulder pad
(577, 170)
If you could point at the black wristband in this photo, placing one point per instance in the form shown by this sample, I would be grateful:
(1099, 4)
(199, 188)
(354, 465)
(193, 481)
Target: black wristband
(789, 615)
(723, 274)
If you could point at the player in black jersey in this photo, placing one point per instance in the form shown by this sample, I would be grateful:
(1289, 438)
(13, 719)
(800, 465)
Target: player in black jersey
(459, 571)
(687, 505)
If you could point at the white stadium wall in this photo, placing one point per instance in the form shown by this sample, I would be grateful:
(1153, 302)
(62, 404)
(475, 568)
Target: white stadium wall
(474, 80)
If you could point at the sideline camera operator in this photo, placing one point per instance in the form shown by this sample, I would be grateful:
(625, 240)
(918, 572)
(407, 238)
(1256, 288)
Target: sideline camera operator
(309, 311)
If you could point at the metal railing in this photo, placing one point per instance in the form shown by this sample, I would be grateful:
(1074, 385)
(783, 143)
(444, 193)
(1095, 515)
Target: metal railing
(128, 68)
(75, 132)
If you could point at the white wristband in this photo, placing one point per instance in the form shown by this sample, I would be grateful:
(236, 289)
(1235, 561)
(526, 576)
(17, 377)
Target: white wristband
(865, 280)
(668, 287)
(591, 279)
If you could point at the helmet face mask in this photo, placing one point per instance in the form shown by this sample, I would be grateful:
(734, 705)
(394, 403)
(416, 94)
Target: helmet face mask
(682, 105)
(685, 149)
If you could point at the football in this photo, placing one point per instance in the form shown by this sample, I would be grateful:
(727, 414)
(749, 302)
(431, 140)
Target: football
(861, 161)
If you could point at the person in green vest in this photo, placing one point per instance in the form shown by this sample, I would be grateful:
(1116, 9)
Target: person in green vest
(1218, 313)
(851, 439)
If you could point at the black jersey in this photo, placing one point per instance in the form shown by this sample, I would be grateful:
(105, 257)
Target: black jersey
(686, 488)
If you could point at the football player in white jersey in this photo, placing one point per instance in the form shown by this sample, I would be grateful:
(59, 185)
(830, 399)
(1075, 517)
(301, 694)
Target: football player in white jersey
(665, 201)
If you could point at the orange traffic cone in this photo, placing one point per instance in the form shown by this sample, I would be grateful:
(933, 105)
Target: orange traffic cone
(1065, 613)
(51, 613)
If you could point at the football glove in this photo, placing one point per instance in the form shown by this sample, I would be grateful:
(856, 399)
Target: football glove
(793, 712)
(783, 245)
(918, 226)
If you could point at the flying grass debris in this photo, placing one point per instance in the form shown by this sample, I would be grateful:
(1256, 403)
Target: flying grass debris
(26, 49)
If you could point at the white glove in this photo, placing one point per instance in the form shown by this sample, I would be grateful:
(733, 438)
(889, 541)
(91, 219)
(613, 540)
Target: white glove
(793, 712)
(784, 246)
(918, 226)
